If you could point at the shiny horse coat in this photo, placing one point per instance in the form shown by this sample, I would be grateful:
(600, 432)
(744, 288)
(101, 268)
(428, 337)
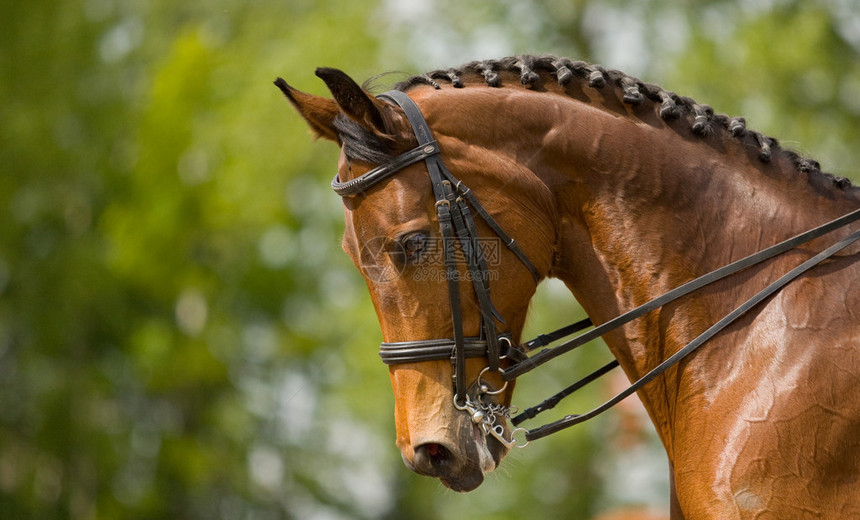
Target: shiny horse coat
(624, 192)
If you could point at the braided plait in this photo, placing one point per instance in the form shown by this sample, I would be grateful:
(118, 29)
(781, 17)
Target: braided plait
(532, 70)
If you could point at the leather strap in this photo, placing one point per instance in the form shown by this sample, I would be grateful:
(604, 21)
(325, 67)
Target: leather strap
(380, 173)
(509, 242)
(550, 403)
(450, 223)
(545, 355)
(429, 350)
(572, 420)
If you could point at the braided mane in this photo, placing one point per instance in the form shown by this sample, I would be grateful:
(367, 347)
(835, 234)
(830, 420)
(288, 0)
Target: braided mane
(671, 106)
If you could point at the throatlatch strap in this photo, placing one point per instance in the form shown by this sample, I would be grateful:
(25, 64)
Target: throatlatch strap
(510, 243)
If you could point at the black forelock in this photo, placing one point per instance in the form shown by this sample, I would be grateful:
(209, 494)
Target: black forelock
(360, 144)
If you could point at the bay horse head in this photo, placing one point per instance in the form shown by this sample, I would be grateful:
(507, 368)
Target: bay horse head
(673, 227)
(425, 302)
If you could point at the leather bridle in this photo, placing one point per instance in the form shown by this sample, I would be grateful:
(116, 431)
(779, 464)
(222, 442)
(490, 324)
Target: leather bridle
(457, 227)
(455, 204)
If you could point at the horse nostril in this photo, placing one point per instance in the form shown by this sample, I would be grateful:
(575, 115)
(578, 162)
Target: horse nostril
(438, 453)
(432, 459)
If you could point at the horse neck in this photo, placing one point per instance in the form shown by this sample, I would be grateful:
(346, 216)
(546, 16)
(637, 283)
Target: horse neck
(642, 210)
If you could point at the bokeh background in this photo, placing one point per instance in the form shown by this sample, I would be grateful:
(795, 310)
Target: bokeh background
(181, 336)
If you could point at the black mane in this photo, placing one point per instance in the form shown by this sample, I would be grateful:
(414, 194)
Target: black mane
(532, 69)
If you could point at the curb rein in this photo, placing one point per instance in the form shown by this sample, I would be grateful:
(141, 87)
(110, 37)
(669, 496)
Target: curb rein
(453, 202)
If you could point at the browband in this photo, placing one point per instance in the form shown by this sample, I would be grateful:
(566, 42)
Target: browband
(380, 173)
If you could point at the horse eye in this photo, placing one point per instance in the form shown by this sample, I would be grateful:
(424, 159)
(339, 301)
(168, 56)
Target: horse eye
(413, 244)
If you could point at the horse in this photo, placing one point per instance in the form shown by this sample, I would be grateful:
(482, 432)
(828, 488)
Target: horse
(625, 192)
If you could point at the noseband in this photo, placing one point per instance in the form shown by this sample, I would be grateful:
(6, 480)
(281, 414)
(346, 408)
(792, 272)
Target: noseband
(453, 203)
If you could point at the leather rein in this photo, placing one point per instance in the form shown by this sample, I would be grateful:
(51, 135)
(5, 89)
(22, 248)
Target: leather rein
(455, 204)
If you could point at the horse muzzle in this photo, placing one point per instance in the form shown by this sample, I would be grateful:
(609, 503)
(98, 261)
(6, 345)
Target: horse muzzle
(461, 462)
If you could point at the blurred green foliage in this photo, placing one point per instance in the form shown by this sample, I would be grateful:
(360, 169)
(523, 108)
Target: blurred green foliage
(180, 335)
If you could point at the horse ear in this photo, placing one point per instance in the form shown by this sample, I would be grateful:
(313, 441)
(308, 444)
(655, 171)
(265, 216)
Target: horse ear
(319, 112)
(355, 102)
